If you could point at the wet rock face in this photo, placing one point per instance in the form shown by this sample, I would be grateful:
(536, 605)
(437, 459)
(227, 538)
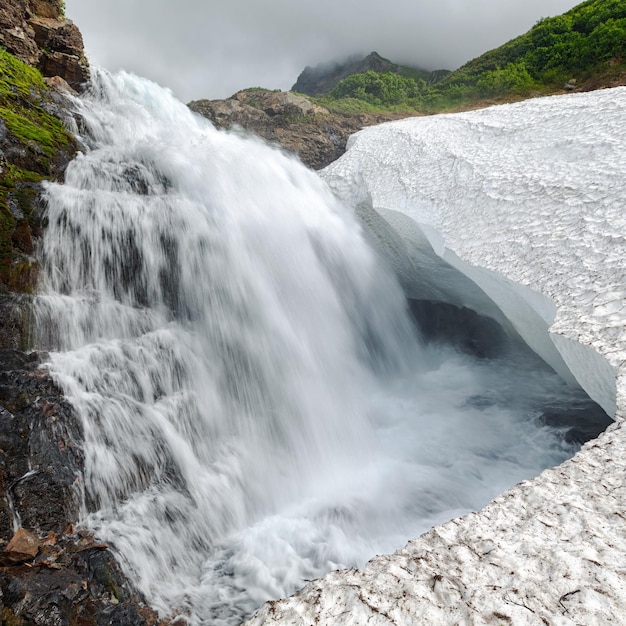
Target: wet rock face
(24, 163)
(37, 32)
(40, 461)
(72, 581)
(317, 136)
(14, 322)
(49, 572)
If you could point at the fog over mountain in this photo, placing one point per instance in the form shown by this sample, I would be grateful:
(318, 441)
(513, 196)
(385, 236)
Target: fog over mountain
(211, 50)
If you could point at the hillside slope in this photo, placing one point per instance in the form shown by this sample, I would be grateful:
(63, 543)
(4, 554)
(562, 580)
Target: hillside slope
(583, 49)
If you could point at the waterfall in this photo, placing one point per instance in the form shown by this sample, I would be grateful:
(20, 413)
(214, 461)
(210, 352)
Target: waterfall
(257, 405)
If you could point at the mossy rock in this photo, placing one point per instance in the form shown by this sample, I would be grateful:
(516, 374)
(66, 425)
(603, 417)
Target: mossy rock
(9, 618)
(34, 145)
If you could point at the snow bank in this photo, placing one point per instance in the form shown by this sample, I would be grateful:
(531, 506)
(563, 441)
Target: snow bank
(527, 200)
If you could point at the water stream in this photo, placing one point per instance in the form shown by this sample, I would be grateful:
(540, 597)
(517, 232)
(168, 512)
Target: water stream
(258, 406)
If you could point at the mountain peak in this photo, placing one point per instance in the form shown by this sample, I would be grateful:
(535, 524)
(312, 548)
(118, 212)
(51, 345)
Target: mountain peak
(319, 80)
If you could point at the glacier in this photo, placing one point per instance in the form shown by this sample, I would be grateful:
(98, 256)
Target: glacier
(527, 201)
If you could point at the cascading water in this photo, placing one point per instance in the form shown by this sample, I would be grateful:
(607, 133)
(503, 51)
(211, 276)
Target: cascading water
(257, 407)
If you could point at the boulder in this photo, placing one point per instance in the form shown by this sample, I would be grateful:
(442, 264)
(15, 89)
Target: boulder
(46, 8)
(24, 546)
(16, 35)
(279, 103)
(66, 66)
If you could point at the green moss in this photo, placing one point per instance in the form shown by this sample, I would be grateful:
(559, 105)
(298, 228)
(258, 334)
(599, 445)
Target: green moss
(27, 131)
(355, 106)
(9, 618)
(11, 175)
(22, 93)
(17, 76)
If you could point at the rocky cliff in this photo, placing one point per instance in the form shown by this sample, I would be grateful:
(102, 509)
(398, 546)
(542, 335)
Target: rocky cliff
(291, 121)
(50, 571)
(38, 33)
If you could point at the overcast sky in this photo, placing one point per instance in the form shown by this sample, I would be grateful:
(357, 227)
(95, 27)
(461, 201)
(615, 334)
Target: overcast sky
(213, 48)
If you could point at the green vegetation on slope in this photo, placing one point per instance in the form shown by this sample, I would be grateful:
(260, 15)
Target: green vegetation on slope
(379, 89)
(31, 139)
(587, 42)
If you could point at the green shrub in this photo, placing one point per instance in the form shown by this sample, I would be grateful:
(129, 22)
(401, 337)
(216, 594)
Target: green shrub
(378, 88)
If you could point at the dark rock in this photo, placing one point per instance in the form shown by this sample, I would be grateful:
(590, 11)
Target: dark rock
(41, 461)
(17, 360)
(49, 573)
(14, 322)
(73, 582)
(580, 422)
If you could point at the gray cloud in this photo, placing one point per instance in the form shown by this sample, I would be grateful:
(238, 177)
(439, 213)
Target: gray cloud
(212, 49)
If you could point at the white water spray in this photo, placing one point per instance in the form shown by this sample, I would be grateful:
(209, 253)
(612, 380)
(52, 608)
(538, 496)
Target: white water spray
(257, 408)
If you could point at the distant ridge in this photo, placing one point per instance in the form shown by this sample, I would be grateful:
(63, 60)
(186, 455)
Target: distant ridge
(319, 80)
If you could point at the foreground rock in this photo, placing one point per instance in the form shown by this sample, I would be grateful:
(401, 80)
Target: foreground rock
(293, 122)
(49, 572)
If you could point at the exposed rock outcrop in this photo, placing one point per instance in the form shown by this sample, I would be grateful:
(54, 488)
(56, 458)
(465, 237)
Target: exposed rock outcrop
(300, 126)
(37, 32)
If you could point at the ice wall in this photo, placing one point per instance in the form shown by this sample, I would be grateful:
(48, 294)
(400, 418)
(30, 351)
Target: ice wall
(526, 200)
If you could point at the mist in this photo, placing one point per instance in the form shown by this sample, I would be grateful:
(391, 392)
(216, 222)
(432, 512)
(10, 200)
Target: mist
(202, 50)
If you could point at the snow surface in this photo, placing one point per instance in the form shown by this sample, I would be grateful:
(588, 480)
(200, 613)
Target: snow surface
(528, 201)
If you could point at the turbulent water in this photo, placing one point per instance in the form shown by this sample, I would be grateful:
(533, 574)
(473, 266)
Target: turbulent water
(257, 405)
